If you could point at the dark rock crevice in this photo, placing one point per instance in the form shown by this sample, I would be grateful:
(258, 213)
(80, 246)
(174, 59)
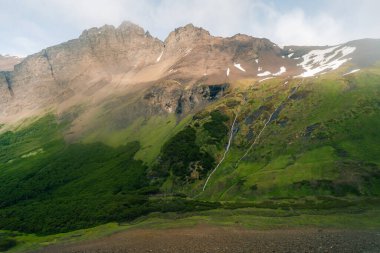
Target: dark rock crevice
(216, 90)
(46, 55)
(8, 80)
(171, 97)
(179, 108)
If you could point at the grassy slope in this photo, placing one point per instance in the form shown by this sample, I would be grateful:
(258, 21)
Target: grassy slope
(125, 119)
(328, 131)
(151, 133)
(323, 142)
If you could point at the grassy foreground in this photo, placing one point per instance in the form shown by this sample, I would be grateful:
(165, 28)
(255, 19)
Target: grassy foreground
(354, 218)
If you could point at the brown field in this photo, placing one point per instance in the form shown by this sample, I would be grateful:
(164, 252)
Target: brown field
(223, 239)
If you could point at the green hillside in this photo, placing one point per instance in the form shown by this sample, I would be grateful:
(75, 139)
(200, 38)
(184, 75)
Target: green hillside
(296, 143)
(322, 140)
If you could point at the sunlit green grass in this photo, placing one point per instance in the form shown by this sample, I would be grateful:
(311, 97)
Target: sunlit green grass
(327, 136)
(346, 113)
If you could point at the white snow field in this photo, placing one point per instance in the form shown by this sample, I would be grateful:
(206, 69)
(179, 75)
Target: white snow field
(328, 59)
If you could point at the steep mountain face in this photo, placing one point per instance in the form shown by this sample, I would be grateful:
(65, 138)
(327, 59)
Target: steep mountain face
(77, 68)
(97, 129)
(106, 61)
(220, 59)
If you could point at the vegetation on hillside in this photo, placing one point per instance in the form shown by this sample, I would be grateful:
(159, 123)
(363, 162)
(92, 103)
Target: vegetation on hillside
(72, 186)
(320, 150)
(322, 141)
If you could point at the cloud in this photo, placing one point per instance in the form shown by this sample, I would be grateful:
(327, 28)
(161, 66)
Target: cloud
(295, 28)
(42, 23)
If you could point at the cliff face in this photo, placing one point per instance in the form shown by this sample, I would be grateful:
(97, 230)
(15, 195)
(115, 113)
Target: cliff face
(170, 97)
(57, 73)
(107, 62)
(217, 60)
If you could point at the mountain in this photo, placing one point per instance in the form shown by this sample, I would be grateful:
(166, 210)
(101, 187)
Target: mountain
(8, 62)
(105, 59)
(127, 59)
(106, 126)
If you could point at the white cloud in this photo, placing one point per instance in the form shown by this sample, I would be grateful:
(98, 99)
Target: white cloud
(295, 28)
(42, 23)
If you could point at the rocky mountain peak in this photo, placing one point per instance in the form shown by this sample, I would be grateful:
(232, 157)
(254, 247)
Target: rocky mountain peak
(109, 60)
(260, 43)
(188, 32)
(96, 31)
(242, 37)
(126, 28)
(130, 28)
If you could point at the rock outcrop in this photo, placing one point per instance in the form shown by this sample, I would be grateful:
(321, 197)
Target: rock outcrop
(107, 62)
(170, 97)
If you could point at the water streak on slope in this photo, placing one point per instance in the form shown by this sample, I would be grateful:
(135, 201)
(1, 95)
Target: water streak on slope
(266, 78)
(225, 152)
(351, 72)
(267, 123)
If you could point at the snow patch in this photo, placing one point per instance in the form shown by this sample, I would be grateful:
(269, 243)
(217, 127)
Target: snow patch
(159, 57)
(290, 55)
(259, 69)
(351, 72)
(317, 61)
(266, 73)
(267, 78)
(282, 71)
(257, 61)
(228, 71)
(238, 66)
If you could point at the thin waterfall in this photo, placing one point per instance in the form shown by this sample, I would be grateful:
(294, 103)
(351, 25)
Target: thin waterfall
(267, 122)
(225, 152)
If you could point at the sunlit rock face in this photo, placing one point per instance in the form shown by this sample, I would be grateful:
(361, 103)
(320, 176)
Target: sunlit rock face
(107, 62)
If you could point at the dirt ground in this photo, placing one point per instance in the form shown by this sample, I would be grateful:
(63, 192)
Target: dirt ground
(222, 239)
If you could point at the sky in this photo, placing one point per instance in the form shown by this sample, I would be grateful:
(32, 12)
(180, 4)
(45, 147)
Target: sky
(28, 26)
